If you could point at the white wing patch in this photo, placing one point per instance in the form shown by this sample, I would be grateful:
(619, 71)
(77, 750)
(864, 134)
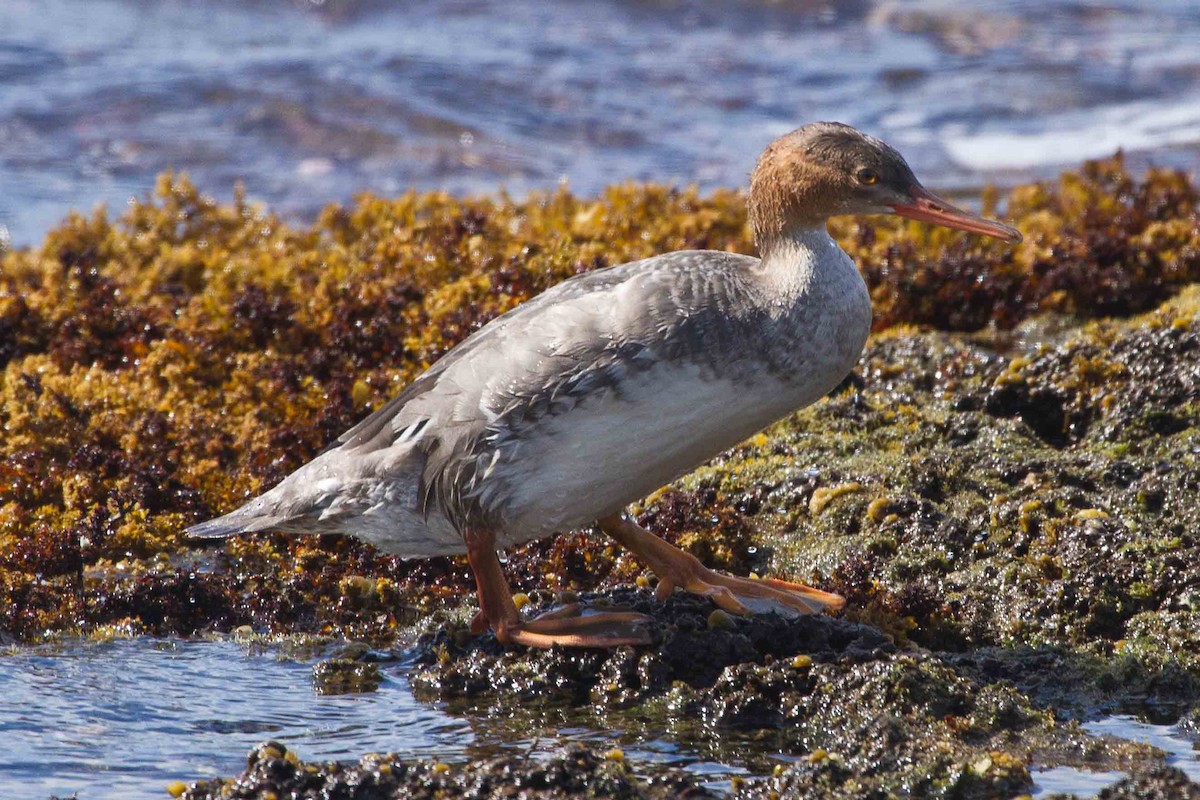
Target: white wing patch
(413, 432)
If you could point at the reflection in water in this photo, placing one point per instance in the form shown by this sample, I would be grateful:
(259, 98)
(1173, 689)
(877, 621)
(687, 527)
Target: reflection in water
(1180, 751)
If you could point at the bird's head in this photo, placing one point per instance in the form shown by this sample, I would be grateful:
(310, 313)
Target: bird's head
(826, 168)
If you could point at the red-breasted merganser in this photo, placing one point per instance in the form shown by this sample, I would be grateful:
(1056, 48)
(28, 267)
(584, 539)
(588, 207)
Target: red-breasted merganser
(610, 385)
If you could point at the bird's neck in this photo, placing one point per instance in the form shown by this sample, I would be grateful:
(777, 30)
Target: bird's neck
(799, 258)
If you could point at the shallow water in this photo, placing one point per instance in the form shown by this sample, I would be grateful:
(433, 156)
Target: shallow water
(125, 718)
(309, 102)
(1056, 780)
(1179, 749)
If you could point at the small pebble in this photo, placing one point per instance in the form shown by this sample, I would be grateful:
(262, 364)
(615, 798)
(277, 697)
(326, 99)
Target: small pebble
(719, 620)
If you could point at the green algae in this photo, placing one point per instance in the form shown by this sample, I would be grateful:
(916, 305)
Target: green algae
(345, 676)
(1004, 515)
(856, 716)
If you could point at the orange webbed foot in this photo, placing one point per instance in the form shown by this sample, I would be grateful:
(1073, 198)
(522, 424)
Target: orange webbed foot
(571, 627)
(568, 626)
(676, 568)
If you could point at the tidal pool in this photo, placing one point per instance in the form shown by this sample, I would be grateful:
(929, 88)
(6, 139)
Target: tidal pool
(125, 718)
(1181, 753)
(1181, 750)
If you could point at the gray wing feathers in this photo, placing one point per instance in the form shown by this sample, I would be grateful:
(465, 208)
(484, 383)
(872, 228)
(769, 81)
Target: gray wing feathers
(497, 331)
(576, 344)
(661, 273)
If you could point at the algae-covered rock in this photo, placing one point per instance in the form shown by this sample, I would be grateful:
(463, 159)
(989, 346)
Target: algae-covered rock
(577, 772)
(856, 717)
(687, 650)
(1063, 514)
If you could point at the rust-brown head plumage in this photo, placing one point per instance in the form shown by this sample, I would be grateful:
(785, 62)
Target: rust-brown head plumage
(821, 170)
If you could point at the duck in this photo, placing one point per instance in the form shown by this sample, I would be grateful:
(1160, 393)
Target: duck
(589, 397)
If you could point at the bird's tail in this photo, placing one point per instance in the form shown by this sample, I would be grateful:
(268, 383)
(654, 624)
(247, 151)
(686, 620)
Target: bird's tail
(244, 520)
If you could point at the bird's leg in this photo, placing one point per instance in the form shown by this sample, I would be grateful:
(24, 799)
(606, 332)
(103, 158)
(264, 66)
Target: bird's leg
(565, 626)
(737, 595)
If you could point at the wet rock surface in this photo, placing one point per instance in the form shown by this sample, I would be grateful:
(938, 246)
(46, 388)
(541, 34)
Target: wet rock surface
(690, 649)
(273, 770)
(857, 716)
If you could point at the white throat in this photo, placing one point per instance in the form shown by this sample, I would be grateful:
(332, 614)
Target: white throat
(792, 262)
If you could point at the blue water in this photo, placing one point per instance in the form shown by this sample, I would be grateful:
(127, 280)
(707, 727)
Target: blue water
(125, 718)
(1057, 780)
(310, 102)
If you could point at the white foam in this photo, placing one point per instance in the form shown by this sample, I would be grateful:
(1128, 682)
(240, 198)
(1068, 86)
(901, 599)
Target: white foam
(1090, 133)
